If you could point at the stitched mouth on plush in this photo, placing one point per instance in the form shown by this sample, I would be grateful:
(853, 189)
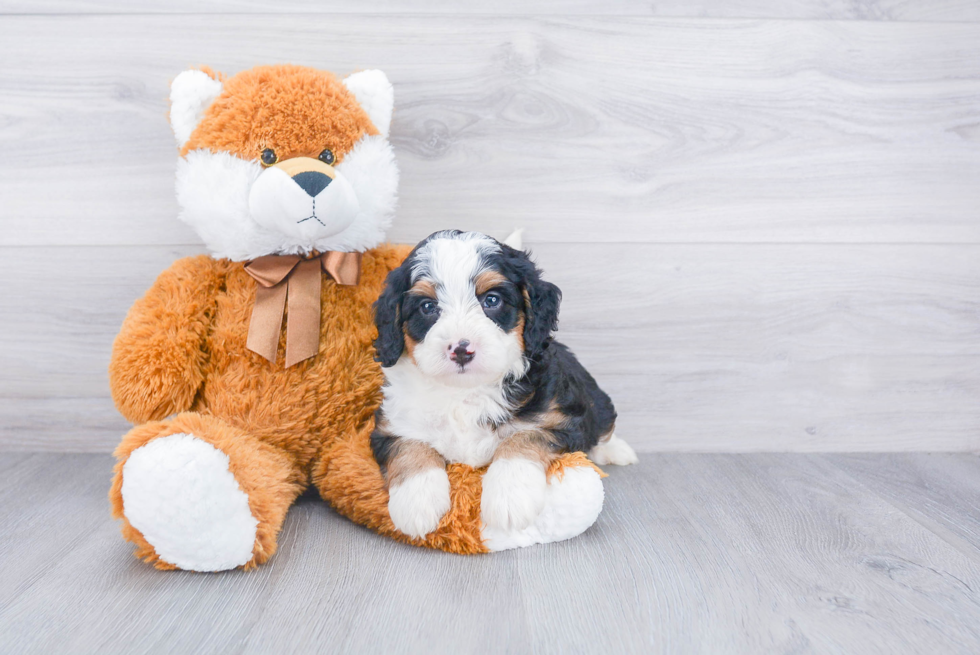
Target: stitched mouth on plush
(293, 205)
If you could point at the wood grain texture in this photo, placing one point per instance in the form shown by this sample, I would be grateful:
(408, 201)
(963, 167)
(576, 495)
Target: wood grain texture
(940, 491)
(702, 347)
(692, 553)
(582, 129)
(876, 10)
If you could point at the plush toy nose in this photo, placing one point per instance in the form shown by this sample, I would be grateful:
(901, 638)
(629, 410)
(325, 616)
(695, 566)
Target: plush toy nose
(312, 182)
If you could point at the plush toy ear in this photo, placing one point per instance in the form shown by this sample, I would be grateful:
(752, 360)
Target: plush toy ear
(388, 318)
(191, 93)
(375, 95)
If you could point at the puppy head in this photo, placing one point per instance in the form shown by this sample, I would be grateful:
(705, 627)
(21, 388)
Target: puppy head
(466, 310)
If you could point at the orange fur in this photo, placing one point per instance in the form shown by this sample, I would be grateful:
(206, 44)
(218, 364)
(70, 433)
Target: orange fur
(261, 107)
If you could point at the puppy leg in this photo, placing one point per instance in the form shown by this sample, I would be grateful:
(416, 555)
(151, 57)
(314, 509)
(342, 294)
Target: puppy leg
(612, 450)
(418, 486)
(515, 486)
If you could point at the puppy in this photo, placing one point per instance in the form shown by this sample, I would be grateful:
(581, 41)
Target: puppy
(472, 375)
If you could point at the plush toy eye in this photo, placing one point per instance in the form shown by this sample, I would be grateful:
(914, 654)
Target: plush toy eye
(327, 156)
(491, 301)
(429, 307)
(268, 157)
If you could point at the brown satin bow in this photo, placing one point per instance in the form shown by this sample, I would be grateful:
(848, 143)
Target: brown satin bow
(279, 276)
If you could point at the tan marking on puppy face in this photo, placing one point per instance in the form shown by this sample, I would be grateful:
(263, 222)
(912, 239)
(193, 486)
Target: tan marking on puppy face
(528, 310)
(411, 458)
(519, 331)
(488, 280)
(423, 288)
(410, 343)
(295, 111)
(534, 444)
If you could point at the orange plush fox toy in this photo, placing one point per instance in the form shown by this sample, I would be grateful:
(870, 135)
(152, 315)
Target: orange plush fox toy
(250, 374)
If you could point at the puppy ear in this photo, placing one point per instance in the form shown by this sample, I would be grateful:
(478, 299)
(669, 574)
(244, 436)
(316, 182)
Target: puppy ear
(387, 316)
(542, 300)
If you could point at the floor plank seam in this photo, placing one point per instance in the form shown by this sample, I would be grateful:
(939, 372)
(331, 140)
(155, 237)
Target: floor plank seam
(954, 541)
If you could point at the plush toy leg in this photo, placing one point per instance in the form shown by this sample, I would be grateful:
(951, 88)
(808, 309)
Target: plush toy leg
(197, 494)
(573, 502)
(348, 478)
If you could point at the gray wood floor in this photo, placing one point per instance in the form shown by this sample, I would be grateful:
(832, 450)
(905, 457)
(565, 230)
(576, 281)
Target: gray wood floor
(693, 553)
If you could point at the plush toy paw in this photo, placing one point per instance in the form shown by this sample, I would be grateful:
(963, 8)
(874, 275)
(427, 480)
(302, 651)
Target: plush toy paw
(614, 451)
(514, 492)
(179, 493)
(572, 504)
(418, 504)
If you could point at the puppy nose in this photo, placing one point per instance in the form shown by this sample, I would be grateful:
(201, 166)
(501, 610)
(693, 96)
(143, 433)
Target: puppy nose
(312, 182)
(461, 353)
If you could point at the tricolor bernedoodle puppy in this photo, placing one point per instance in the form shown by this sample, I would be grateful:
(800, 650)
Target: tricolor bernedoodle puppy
(472, 375)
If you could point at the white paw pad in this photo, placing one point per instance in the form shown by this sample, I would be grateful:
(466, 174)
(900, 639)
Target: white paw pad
(614, 451)
(514, 492)
(418, 504)
(178, 492)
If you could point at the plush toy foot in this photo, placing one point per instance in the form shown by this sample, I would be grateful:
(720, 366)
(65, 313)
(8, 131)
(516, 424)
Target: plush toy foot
(180, 494)
(418, 504)
(614, 451)
(572, 503)
(198, 494)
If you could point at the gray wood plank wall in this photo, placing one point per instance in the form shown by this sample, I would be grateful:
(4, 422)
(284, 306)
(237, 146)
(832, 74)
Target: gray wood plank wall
(782, 212)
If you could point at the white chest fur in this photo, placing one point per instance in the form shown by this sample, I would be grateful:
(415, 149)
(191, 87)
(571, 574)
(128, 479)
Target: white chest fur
(453, 420)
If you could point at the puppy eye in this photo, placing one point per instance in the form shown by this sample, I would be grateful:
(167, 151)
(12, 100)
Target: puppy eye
(429, 307)
(269, 157)
(491, 301)
(327, 156)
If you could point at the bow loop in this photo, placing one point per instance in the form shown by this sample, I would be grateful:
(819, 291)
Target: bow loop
(289, 276)
(270, 270)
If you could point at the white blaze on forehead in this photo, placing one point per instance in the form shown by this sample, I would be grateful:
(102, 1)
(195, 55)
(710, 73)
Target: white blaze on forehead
(452, 263)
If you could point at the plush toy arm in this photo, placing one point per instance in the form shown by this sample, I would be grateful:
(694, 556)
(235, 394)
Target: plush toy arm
(158, 357)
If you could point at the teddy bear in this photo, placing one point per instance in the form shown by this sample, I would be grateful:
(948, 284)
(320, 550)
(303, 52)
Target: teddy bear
(249, 373)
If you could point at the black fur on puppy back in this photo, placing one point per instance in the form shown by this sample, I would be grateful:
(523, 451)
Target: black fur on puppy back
(387, 315)
(542, 299)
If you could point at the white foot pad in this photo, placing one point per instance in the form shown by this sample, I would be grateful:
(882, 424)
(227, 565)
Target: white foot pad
(571, 506)
(614, 451)
(178, 492)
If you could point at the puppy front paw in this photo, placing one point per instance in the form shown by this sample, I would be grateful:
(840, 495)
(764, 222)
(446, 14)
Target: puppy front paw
(514, 491)
(418, 504)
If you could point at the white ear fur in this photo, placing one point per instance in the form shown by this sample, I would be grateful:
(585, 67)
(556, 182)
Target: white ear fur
(191, 93)
(375, 95)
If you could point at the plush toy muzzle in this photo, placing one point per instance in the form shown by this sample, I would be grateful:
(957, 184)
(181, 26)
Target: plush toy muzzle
(304, 198)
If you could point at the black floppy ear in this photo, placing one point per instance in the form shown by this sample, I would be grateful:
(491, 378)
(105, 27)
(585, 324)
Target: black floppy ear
(541, 300)
(387, 316)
